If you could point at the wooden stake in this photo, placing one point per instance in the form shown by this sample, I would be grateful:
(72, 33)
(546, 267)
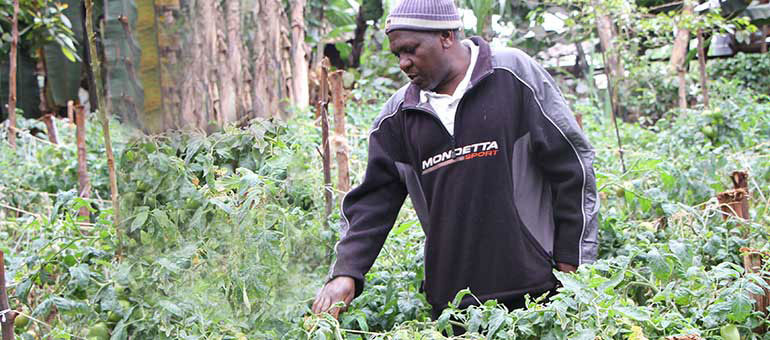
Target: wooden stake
(340, 137)
(103, 117)
(50, 125)
(736, 202)
(579, 119)
(322, 107)
(9, 315)
(753, 261)
(702, 61)
(84, 184)
(12, 77)
(71, 112)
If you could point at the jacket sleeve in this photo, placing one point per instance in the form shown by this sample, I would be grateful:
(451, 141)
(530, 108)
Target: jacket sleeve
(565, 157)
(370, 210)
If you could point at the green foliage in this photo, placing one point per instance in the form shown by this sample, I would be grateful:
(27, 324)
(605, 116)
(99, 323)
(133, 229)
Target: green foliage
(752, 70)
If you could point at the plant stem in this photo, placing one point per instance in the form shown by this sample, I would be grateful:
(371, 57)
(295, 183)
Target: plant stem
(96, 67)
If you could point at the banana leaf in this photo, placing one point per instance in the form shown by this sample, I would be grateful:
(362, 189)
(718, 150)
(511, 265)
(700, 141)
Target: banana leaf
(121, 59)
(64, 75)
(27, 92)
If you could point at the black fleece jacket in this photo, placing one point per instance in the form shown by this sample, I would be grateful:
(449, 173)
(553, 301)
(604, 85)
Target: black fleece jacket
(510, 193)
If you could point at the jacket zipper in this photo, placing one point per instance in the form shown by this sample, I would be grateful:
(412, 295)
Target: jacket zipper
(452, 136)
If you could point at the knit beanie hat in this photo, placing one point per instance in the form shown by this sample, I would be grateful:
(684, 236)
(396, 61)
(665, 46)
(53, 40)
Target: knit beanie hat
(424, 15)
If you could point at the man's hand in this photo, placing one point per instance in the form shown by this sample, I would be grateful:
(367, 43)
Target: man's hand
(565, 267)
(341, 288)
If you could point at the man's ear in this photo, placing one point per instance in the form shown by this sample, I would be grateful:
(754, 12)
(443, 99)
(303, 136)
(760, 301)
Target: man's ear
(447, 39)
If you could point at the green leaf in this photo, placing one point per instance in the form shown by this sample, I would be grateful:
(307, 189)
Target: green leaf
(634, 313)
(139, 221)
(459, 297)
(740, 308)
(658, 264)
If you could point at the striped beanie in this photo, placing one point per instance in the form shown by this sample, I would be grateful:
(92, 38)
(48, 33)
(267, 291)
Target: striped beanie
(424, 15)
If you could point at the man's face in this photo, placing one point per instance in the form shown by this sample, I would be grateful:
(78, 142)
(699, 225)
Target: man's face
(421, 56)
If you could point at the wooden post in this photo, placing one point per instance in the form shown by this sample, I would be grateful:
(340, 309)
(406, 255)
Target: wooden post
(702, 61)
(340, 137)
(12, 77)
(736, 202)
(579, 119)
(326, 153)
(50, 125)
(10, 315)
(71, 112)
(84, 184)
(752, 262)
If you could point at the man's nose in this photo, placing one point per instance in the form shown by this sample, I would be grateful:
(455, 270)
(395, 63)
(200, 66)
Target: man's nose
(404, 63)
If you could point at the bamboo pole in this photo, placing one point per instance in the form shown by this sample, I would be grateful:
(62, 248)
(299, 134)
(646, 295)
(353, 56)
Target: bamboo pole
(340, 137)
(103, 118)
(12, 75)
(9, 315)
(326, 153)
(84, 183)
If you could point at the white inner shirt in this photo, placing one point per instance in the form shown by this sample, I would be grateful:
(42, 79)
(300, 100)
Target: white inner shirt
(446, 105)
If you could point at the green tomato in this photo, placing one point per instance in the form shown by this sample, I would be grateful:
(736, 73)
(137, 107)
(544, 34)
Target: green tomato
(120, 290)
(99, 331)
(709, 131)
(730, 332)
(20, 322)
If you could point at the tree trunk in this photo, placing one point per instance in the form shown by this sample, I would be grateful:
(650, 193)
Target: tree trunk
(299, 58)
(679, 53)
(235, 58)
(340, 138)
(84, 184)
(45, 109)
(613, 64)
(196, 97)
(229, 59)
(354, 60)
(702, 63)
(10, 316)
(681, 75)
(270, 55)
(103, 118)
(607, 35)
(12, 79)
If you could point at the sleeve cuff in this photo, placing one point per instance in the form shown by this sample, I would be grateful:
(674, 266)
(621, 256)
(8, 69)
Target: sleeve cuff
(567, 257)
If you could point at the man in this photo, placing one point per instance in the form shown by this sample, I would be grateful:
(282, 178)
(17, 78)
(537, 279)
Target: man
(486, 147)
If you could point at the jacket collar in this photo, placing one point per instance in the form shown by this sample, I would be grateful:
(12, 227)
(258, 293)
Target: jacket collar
(482, 69)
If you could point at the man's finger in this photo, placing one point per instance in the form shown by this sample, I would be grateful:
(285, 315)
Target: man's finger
(325, 304)
(314, 309)
(335, 312)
